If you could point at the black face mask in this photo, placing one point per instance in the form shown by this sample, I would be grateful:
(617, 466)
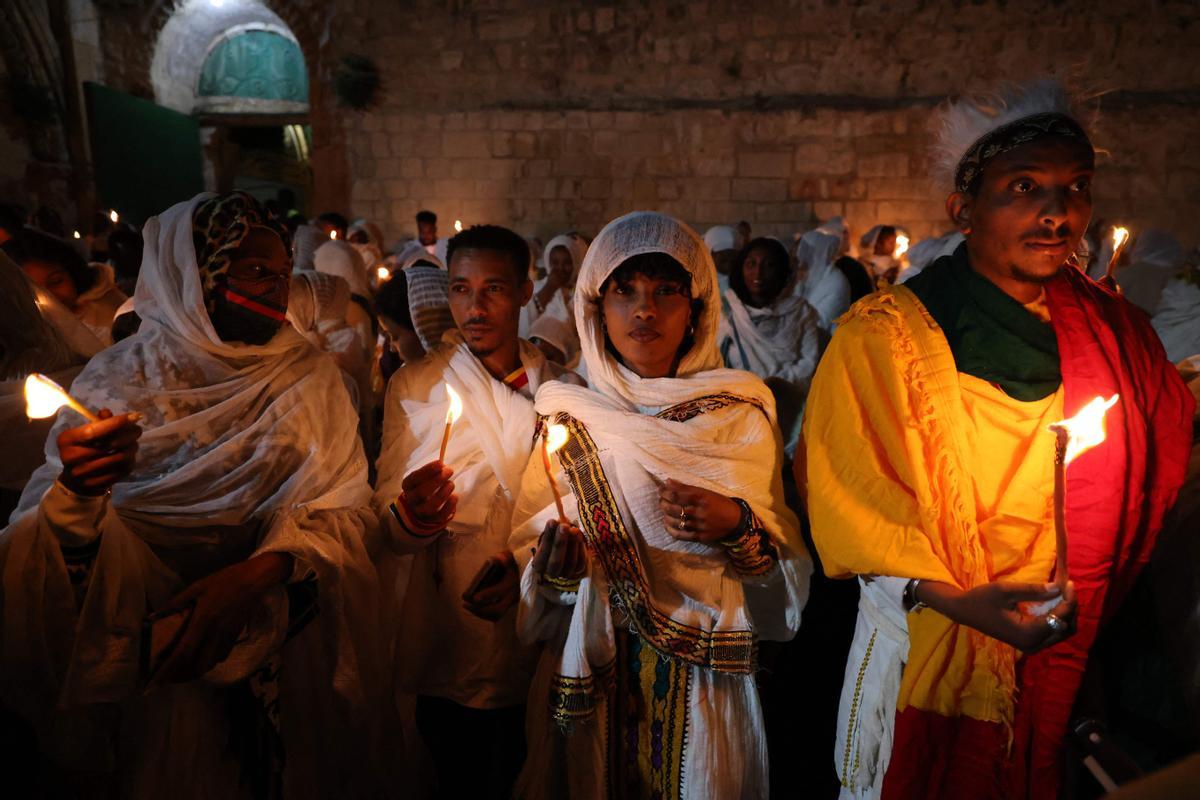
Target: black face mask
(242, 318)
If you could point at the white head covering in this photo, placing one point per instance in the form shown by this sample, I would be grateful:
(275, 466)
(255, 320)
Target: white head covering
(576, 246)
(229, 433)
(428, 301)
(1153, 261)
(370, 251)
(720, 237)
(824, 288)
(926, 251)
(29, 341)
(304, 244)
(336, 257)
(652, 572)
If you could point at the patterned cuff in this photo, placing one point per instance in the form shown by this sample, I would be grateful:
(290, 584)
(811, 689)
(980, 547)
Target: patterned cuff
(750, 549)
(564, 585)
(408, 520)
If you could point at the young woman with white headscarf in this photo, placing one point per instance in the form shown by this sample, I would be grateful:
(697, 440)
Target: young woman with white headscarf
(339, 258)
(673, 466)
(769, 329)
(548, 317)
(159, 621)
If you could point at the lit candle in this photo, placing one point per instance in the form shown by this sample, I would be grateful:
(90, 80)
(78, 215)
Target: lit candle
(901, 246)
(114, 216)
(554, 438)
(383, 273)
(1120, 236)
(76, 234)
(452, 415)
(1073, 438)
(458, 226)
(333, 234)
(44, 397)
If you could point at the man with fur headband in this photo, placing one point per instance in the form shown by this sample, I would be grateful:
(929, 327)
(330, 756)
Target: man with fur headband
(930, 471)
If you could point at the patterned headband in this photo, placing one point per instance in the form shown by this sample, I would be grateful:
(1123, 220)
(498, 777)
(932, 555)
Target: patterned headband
(1010, 136)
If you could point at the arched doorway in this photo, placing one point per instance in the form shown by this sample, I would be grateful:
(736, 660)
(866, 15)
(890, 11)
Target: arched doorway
(237, 68)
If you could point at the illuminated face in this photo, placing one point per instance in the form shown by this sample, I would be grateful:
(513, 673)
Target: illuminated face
(647, 320)
(486, 298)
(54, 279)
(1031, 210)
(403, 341)
(762, 277)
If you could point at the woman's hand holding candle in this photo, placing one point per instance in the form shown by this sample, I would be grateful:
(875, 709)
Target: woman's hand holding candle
(561, 554)
(96, 455)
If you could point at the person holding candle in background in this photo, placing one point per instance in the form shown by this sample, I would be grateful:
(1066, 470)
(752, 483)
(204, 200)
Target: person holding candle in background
(930, 470)
(674, 467)
(458, 648)
(178, 575)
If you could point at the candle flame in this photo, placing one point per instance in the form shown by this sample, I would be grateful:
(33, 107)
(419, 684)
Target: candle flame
(114, 216)
(455, 410)
(76, 234)
(1086, 429)
(1120, 236)
(901, 246)
(333, 234)
(383, 273)
(43, 397)
(458, 226)
(556, 437)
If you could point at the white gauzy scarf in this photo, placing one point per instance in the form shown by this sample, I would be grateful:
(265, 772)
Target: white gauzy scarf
(556, 324)
(823, 287)
(716, 430)
(234, 436)
(493, 436)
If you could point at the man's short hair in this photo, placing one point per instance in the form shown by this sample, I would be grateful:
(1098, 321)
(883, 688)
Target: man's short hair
(426, 217)
(333, 218)
(497, 240)
(391, 300)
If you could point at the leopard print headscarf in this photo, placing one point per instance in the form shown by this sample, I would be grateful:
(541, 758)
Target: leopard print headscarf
(219, 225)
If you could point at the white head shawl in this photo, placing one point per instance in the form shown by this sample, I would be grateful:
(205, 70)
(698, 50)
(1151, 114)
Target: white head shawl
(574, 245)
(339, 258)
(824, 287)
(556, 324)
(428, 299)
(370, 251)
(719, 238)
(229, 433)
(29, 342)
(726, 441)
(304, 245)
(1153, 260)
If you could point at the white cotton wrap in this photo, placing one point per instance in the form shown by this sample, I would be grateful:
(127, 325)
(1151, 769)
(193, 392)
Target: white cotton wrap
(246, 449)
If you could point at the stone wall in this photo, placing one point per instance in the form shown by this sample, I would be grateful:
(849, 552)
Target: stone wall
(549, 116)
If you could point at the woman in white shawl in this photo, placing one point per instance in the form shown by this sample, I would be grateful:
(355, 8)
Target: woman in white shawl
(1177, 318)
(548, 318)
(1154, 259)
(146, 629)
(317, 309)
(673, 466)
(769, 329)
(820, 282)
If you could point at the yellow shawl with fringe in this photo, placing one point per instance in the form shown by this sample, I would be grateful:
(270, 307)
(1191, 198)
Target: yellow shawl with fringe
(917, 471)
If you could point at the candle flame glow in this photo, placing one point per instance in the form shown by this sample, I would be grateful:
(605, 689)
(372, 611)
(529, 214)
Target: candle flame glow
(456, 408)
(383, 273)
(43, 397)
(556, 437)
(458, 226)
(1120, 236)
(76, 234)
(1086, 429)
(901, 246)
(333, 234)
(114, 216)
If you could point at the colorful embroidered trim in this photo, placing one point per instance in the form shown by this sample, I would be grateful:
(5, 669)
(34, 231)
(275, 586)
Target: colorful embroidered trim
(564, 585)
(573, 699)
(750, 551)
(608, 539)
(690, 409)
(518, 379)
(647, 722)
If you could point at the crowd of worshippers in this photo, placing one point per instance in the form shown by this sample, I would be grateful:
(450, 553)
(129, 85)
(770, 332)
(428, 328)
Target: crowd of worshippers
(317, 542)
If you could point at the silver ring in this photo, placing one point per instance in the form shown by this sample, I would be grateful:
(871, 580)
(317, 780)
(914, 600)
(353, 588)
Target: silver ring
(1056, 623)
(682, 525)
